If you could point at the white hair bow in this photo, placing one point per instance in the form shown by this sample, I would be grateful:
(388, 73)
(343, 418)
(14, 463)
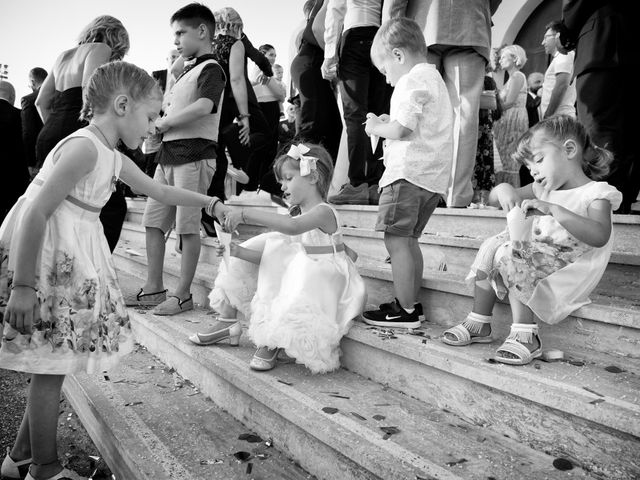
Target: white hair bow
(307, 163)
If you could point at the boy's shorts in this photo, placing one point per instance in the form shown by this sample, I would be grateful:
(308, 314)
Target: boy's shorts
(404, 209)
(194, 176)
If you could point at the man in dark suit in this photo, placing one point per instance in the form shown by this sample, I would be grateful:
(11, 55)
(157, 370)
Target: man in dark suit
(534, 82)
(602, 32)
(15, 176)
(31, 121)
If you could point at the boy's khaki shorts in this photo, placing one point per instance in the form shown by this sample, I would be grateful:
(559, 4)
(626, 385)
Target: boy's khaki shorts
(194, 176)
(404, 209)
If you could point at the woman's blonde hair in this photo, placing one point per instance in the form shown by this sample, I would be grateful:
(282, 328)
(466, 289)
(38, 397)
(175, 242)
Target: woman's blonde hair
(596, 161)
(324, 166)
(113, 78)
(228, 22)
(109, 30)
(518, 54)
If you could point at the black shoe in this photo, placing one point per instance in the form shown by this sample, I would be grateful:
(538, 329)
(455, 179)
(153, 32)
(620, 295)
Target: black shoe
(395, 317)
(388, 306)
(206, 223)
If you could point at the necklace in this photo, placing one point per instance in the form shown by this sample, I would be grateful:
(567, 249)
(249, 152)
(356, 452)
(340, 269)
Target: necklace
(103, 136)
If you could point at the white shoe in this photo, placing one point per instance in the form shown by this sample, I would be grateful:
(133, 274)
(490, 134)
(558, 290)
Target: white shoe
(65, 474)
(11, 469)
(238, 175)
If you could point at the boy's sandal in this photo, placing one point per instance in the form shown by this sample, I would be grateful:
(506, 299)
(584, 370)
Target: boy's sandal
(519, 333)
(463, 332)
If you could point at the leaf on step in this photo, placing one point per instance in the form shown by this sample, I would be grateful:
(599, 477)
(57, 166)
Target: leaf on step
(358, 416)
(596, 401)
(215, 461)
(490, 360)
(339, 396)
(330, 393)
(593, 391)
(456, 462)
(242, 456)
(249, 468)
(562, 464)
(614, 369)
(250, 437)
(576, 363)
(390, 430)
(329, 410)
(269, 442)
(106, 377)
(379, 417)
(263, 456)
(130, 404)
(285, 382)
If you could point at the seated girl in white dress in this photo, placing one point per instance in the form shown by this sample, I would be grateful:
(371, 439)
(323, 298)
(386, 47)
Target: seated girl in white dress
(298, 286)
(552, 273)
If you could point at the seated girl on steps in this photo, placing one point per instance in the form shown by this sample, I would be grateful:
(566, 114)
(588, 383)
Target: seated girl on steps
(551, 275)
(299, 285)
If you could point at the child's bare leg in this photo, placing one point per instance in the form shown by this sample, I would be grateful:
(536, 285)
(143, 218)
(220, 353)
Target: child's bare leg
(524, 316)
(189, 262)
(403, 268)
(484, 297)
(418, 261)
(43, 403)
(22, 447)
(155, 260)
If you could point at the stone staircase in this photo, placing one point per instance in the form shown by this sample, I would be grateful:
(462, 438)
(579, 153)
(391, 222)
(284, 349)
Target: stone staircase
(456, 413)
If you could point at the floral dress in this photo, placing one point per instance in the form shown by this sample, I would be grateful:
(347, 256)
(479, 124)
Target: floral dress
(84, 323)
(554, 272)
(302, 297)
(483, 172)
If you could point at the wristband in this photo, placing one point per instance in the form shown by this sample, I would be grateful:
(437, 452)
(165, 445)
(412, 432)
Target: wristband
(212, 206)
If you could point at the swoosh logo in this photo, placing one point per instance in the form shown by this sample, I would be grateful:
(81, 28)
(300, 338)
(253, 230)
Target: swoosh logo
(395, 317)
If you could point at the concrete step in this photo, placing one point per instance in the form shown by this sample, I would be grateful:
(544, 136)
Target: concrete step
(610, 324)
(287, 405)
(151, 424)
(511, 403)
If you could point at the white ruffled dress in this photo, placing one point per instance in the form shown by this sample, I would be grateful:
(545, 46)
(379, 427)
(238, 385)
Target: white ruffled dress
(299, 301)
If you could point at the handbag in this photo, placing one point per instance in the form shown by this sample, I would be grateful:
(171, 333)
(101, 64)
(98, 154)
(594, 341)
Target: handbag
(488, 100)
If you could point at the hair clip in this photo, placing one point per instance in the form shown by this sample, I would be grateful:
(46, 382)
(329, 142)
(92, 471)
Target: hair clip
(307, 163)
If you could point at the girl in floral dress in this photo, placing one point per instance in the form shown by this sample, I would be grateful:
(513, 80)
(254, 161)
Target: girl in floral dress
(60, 303)
(298, 285)
(553, 273)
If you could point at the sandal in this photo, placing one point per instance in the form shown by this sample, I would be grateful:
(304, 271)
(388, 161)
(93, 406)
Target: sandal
(12, 470)
(263, 364)
(468, 331)
(223, 330)
(520, 332)
(171, 307)
(142, 299)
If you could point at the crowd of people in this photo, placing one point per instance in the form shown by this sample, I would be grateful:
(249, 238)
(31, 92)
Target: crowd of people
(416, 90)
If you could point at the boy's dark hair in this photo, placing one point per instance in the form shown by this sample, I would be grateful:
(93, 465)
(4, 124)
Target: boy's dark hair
(555, 25)
(194, 15)
(265, 48)
(38, 74)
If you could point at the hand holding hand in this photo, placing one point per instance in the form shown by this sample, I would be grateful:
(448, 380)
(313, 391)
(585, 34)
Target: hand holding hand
(22, 310)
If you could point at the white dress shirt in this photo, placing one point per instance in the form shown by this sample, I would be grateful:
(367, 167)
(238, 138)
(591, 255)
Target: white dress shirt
(343, 15)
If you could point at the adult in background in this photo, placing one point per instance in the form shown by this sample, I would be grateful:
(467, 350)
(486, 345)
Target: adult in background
(15, 176)
(514, 120)
(59, 102)
(558, 92)
(352, 24)
(31, 121)
(458, 35)
(534, 92)
(602, 32)
(319, 114)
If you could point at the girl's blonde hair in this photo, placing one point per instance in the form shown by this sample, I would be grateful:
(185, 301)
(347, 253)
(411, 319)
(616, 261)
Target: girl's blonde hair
(228, 22)
(596, 161)
(324, 166)
(109, 30)
(113, 78)
(518, 54)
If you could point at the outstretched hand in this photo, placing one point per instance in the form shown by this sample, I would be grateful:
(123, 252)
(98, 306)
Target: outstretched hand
(22, 310)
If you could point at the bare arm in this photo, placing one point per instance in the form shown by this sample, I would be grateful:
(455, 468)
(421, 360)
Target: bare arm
(560, 87)
(393, 9)
(392, 130)
(510, 95)
(246, 254)
(99, 55)
(193, 111)
(507, 197)
(318, 217)
(43, 101)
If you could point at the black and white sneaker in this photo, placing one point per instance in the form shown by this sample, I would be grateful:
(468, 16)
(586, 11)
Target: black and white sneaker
(417, 306)
(393, 317)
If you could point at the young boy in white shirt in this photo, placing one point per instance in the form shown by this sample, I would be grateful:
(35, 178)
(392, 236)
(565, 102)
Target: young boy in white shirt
(418, 156)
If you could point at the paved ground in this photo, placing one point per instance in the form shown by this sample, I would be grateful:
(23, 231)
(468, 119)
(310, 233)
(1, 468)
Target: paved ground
(74, 444)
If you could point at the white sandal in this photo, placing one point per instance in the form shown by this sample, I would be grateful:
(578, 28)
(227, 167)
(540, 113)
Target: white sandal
(520, 332)
(14, 470)
(463, 332)
(65, 474)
